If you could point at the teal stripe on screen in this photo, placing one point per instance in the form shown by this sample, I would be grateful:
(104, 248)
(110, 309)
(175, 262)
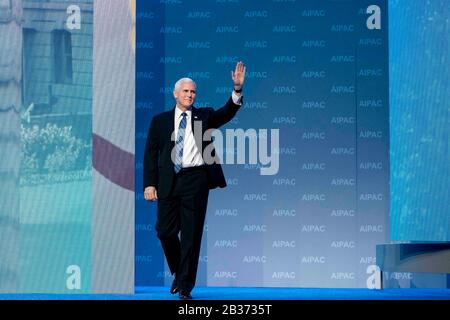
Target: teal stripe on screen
(56, 141)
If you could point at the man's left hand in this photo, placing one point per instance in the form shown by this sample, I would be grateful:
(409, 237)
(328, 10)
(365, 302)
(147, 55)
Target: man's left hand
(238, 75)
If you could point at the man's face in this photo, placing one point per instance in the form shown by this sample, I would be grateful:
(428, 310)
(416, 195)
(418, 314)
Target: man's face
(185, 96)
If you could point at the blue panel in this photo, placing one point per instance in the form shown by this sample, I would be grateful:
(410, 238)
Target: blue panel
(149, 78)
(319, 75)
(419, 120)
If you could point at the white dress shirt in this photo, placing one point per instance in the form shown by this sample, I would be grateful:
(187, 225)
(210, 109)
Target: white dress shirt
(192, 157)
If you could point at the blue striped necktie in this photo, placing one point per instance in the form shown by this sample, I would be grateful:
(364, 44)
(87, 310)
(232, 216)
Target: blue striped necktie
(179, 143)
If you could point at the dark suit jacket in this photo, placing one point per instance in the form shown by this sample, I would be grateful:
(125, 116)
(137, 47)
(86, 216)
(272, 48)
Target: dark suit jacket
(158, 166)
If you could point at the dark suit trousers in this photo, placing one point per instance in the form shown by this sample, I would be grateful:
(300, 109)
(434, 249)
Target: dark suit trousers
(183, 212)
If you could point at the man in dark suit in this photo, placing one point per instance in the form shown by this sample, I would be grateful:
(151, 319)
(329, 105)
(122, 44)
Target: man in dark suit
(178, 173)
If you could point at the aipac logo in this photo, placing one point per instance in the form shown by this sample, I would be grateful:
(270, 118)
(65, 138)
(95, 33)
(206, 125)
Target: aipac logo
(226, 212)
(254, 259)
(313, 260)
(199, 14)
(284, 213)
(283, 275)
(283, 244)
(226, 274)
(226, 244)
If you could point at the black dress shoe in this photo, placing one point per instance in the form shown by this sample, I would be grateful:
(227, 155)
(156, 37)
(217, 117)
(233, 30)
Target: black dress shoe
(174, 288)
(184, 295)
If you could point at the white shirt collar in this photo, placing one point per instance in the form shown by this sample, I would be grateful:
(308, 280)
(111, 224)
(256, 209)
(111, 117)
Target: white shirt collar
(178, 112)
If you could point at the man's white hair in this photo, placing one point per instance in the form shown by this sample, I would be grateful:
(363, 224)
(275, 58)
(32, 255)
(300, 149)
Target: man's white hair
(183, 80)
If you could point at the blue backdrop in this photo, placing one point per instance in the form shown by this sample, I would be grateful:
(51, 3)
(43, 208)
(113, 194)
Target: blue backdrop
(318, 72)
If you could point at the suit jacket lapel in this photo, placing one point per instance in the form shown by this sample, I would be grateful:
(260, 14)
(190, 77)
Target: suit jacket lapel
(171, 126)
(194, 116)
